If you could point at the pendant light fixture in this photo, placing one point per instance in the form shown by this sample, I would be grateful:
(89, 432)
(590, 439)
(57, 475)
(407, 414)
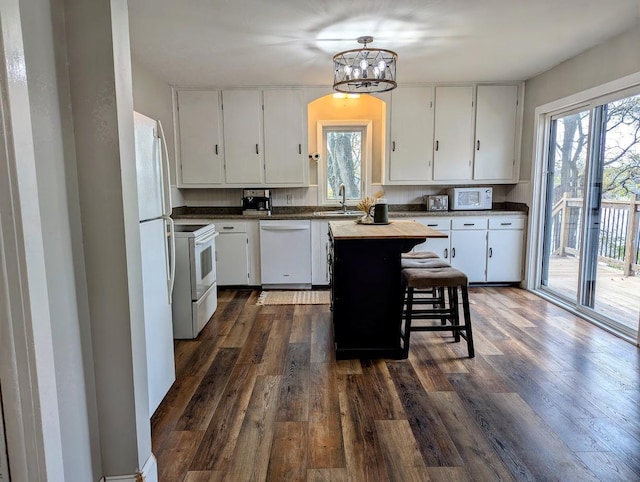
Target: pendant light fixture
(364, 70)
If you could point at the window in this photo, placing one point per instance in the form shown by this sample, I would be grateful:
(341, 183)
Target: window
(345, 151)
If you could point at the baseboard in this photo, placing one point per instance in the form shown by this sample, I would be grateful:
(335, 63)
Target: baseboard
(149, 473)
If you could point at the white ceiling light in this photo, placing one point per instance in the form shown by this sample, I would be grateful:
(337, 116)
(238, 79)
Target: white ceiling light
(364, 70)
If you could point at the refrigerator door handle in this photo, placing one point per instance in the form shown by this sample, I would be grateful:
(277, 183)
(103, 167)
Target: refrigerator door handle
(166, 184)
(171, 258)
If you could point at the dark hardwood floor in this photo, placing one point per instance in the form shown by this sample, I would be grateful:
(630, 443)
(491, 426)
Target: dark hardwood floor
(260, 396)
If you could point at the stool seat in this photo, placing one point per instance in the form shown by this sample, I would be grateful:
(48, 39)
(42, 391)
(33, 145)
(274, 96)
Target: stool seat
(423, 263)
(436, 276)
(420, 255)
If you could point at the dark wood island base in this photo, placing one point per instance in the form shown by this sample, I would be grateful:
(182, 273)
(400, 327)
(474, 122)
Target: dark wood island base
(366, 288)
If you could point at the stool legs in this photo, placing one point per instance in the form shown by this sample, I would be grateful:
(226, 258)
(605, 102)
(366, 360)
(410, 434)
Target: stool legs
(467, 318)
(440, 312)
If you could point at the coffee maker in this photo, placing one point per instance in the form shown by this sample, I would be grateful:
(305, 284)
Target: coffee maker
(256, 202)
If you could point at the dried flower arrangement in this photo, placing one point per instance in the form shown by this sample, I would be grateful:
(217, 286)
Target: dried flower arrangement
(369, 201)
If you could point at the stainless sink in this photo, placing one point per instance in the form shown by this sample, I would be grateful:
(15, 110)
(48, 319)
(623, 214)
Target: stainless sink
(339, 213)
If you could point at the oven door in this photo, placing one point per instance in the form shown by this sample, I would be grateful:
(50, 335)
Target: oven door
(203, 274)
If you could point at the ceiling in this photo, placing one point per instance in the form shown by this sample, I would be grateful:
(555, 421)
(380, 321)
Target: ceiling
(223, 43)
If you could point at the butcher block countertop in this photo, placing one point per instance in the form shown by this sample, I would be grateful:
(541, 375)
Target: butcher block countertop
(393, 230)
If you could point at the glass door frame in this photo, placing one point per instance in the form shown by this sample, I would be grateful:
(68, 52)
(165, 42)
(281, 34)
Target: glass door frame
(627, 86)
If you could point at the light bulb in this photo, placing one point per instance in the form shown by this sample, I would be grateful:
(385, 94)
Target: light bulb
(376, 72)
(382, 65)
(356, 73)
(347, 69)
(363, 64)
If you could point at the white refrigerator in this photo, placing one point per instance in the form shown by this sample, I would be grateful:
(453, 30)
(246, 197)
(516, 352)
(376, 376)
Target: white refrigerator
(157, 254)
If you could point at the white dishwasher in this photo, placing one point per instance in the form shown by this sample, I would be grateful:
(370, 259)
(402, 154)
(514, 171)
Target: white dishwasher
(285, 253)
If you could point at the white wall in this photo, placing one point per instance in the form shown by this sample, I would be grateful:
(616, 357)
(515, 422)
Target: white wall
(152, 97)
(616, 58)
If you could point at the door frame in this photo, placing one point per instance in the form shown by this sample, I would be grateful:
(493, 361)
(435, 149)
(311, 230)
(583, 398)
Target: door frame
(539, 181)
(27, 373)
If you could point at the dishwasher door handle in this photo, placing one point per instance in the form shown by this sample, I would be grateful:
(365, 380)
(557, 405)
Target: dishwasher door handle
(298, 227)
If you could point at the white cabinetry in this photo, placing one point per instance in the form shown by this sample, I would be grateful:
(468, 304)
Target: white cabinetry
(440, 246)
(496, 109)
(232, 256)
(469, 246)
(285, 253)
(284, 162)
(453, 133)
(200, 139)
(411, 155)
(242, 118)
(320, 253)
(505, 249)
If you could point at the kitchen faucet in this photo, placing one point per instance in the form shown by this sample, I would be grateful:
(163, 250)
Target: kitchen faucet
(342, 192)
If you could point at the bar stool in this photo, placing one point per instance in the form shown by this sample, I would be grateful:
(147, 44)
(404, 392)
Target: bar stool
(417, 280)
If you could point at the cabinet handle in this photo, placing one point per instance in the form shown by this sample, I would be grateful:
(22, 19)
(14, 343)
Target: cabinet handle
(216, 149)
(477, 145)
(432, 225)
(490, 252)
(299, 148)
(505, 224)
(446, 253)
(393, 146)
(257, 149)
(227, 227)
(469, 224)
(437, 145)
(453, 253)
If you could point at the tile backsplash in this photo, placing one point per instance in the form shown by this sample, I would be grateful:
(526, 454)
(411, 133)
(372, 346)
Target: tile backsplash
(308, 196)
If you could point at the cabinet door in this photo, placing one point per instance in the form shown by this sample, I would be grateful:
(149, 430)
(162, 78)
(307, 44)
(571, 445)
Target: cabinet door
(495, 132)
(201, 149)
(242, 115)
(504, 255)
(469, 253)
(231, 259)
(411, 134)
(440, 246)
(452, 134)
(319, 252)
(284, 162)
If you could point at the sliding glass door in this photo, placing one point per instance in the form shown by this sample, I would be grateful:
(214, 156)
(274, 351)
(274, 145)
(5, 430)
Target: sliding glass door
(590, 248)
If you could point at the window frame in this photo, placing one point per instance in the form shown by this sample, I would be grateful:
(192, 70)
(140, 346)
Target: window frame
(366, 126)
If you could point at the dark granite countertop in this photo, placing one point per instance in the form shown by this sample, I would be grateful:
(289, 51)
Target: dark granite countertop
(311, 212)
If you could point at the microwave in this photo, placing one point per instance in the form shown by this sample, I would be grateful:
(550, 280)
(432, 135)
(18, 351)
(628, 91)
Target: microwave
(470, 198)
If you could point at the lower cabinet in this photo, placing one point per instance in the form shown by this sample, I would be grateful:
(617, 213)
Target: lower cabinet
(232, 253)
(440, 246)
(488, 249)
(469, 247)
(505, 249)
(320, 253)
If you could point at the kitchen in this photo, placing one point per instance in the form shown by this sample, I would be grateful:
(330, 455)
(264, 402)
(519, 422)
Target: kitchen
(79, 280)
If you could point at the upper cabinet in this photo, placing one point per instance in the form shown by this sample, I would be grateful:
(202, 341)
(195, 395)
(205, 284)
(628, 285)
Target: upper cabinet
(242, 120)
(452, 156)
(469, 136)
(284, 161)
(496, 118)
(200, 138)
(411, 135)
(241, 138)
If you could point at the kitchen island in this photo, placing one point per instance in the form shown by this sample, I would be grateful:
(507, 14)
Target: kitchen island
(366, 288)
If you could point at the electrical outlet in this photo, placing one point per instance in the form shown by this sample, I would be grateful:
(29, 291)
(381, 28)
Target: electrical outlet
(289, 198)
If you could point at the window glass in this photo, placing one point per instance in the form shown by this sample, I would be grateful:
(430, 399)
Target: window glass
(344, 163)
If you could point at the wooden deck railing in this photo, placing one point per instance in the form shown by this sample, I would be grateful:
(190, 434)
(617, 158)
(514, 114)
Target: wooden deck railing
(619, 243)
